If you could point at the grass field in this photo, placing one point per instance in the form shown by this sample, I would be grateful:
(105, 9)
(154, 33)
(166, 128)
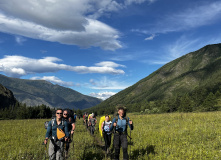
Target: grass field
(159, 136)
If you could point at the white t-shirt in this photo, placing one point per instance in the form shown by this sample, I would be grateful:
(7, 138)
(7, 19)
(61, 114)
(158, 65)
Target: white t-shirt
(107, 126)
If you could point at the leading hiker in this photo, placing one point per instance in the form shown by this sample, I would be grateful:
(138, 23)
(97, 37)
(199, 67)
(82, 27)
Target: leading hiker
(119, 125)
(57, 131)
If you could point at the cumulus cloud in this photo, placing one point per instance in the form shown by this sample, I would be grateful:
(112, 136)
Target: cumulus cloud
(17, 66)
(102, 95)
(54, 79)
(105, 83)
(51, 21)
(72, 22)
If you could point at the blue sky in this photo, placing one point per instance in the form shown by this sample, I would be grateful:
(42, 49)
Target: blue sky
(99, 48)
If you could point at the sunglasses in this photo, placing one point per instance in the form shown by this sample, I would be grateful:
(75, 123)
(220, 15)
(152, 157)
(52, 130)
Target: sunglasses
(59, 113)
(65, 114)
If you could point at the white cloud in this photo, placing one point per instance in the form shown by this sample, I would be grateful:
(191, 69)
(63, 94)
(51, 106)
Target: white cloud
(54, 79)
(190, 18)
(65, 22)
(17, 66)
(183, 45)
(106, 83)
(109, 64)
(102, 95)
(95, 33)
(20, 40)
(150, 38)
(72, 22)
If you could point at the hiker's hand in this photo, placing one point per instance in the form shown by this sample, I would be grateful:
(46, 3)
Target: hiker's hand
(72, 132)
(115, 124)
(66, 139)
(45, 141)
(130, 122)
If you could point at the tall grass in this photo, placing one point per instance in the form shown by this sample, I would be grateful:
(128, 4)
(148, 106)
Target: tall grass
(177, 136)
(158, 136)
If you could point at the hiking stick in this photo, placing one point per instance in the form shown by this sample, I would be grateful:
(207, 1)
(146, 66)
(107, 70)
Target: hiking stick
(65, 151)
(130, 143)
(45, 149)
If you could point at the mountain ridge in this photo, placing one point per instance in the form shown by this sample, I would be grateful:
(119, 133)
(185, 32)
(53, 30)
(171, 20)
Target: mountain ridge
(176, 78)
(37, 92)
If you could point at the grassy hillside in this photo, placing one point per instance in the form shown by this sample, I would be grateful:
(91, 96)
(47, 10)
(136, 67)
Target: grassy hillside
(199, 69)
(37, 92)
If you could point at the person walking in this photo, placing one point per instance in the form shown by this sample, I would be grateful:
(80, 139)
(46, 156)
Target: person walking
(92, 122)
(57, 132)
(105, 127)
(71, 127)
(119, 125)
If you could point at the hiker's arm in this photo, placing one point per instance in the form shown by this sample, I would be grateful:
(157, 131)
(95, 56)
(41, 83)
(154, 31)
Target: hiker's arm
(73, 128)
(130, 124)
(112, 124)
(66, 129)
(102, 126)
(49, 130)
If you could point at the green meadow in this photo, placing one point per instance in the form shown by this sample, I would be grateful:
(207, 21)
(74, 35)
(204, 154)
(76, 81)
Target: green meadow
(157, 136)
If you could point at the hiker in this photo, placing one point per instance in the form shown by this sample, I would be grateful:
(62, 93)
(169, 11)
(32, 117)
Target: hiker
(86, 119)
(71, 127)
(105, 127)
(57, 132)
(92, 122)
(119, 125)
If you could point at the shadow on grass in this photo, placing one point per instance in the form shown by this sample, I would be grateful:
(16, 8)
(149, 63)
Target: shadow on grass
(150, 149)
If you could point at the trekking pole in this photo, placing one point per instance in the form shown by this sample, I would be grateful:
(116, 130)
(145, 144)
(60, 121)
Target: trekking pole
(45, 149)
(65, 151)
(130, 144)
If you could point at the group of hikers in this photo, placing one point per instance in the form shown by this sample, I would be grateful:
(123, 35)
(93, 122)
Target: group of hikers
(61, 129)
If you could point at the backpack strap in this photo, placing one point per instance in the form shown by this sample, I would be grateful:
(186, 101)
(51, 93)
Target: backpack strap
(53, 121)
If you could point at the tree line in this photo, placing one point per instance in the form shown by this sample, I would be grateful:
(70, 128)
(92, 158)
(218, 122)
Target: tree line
(201, 99)
(22, 111)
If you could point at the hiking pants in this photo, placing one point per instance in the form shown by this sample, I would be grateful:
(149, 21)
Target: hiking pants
(92, 129)
(55, 150)
(120, 140)
(107, 140)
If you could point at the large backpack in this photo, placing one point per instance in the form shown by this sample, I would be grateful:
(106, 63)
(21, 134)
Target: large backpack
(102, 119)
(70, 114)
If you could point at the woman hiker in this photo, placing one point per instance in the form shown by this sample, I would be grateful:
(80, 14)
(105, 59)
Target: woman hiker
(57, 131)
(105, 127)
(119, 125)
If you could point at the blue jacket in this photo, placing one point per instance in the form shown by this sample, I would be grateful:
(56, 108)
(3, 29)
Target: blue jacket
(53, 130)
(121, 124)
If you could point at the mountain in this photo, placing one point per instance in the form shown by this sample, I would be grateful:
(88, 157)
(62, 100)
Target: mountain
(37, 92)
(6, 97)
(199, 69)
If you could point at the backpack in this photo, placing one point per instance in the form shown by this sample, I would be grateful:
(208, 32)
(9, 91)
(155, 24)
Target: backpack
(70, 114)
(92, 120)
